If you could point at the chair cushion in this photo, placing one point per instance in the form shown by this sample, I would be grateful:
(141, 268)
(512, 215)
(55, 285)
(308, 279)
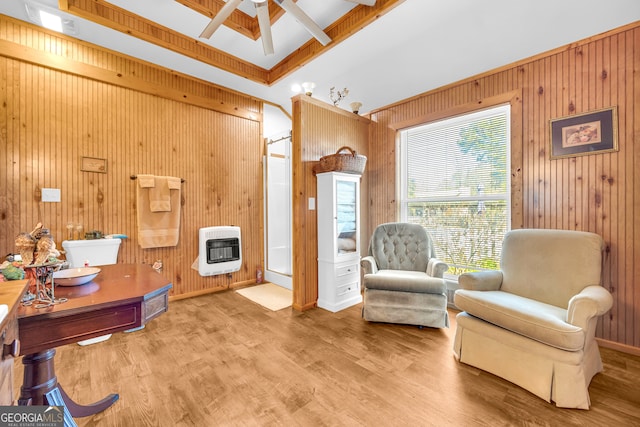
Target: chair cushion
(539, 321)
(405, 281)
(550, 265)
(401, 246)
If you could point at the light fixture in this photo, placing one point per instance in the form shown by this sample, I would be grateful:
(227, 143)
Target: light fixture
(304, 19)
(355, 106)
(296, 88)
(51, 21)
(50, 18)
(308, 88)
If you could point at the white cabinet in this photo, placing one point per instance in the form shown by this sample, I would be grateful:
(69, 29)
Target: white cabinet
(338, 240)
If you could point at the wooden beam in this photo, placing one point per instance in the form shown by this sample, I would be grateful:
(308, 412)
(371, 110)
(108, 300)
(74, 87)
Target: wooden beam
(56, 62)
(352, 22)
(103, 13)
(122, 20)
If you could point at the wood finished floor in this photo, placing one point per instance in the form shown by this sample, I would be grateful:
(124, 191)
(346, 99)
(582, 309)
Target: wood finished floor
(221, 360)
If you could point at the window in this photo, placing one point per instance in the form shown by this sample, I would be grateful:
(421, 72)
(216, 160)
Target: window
(454, 180)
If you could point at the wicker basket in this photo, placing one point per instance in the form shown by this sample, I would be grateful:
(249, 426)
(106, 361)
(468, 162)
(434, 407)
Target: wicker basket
(342, 162)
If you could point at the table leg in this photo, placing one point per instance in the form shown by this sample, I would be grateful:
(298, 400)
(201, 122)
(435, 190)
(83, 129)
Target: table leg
(80, 411)
(40, 387)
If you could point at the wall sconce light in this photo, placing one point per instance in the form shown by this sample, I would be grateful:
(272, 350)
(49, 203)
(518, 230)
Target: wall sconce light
(355, 106)
(308, 88)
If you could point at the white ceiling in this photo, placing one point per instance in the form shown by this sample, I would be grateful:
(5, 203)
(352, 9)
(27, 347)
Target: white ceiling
(418, 46)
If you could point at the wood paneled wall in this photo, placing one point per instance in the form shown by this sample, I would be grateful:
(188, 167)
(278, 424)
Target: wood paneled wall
(62, 99)
(598, 193)
(319, 129)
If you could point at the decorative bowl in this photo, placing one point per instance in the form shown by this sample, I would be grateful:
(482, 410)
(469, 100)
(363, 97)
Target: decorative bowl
(75, 276)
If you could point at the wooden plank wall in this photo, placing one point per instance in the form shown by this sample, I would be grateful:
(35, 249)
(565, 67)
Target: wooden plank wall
(50, 117)
(319, 129)
(597, 193)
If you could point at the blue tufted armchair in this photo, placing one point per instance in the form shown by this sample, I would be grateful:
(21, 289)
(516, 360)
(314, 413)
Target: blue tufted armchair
(403, 280)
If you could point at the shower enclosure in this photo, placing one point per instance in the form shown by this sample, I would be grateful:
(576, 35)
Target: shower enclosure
(278, 219)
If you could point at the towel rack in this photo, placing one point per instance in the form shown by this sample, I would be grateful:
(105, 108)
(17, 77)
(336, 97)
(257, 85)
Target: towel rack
(136, 176)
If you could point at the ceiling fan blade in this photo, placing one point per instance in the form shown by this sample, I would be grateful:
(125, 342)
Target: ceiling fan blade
(222, 16)
(264, 21)
(364, 2)
(304, 19)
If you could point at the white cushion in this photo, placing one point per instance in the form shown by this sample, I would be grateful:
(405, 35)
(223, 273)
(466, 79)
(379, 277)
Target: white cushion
(534, 319)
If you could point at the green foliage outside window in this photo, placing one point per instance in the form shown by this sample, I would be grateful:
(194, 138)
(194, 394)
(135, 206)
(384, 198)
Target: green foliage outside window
(465, 237)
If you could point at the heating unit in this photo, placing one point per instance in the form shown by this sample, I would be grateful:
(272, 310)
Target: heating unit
(220, 250)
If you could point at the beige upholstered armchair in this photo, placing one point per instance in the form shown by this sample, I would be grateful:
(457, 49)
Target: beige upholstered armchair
(403, 279)
(533, 322)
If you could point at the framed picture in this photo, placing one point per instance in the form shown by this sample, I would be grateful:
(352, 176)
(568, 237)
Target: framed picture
(589, 133)
(93, 164)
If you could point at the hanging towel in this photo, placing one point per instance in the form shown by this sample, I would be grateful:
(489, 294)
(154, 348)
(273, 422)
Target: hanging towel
(158, 226)
(159, 195)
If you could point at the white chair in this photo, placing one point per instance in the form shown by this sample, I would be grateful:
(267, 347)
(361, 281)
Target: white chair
(533, 322)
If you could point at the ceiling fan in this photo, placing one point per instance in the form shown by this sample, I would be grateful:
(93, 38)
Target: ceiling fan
(262, 12)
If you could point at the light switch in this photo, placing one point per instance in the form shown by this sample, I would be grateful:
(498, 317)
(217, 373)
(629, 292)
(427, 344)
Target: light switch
(312, 203)
(50, 194)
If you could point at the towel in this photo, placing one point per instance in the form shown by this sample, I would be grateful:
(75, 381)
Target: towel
(158, 216)
(159, 195)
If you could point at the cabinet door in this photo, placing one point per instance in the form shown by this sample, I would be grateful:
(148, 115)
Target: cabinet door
(346, 232)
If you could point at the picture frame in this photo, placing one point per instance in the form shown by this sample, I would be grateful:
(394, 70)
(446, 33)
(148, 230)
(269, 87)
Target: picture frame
(594, 132)
(93, 164)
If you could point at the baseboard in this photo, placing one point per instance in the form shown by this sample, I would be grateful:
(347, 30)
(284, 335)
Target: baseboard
(624, 348)
(235, 285)
(304, 307)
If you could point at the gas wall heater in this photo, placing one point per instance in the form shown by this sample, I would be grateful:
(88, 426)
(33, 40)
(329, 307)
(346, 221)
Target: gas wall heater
(220, 250)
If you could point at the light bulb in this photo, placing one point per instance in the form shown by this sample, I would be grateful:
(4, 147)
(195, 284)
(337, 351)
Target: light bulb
(308, 88)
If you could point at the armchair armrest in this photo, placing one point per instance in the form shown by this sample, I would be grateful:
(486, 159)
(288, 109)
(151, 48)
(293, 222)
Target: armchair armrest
(369, 265)
(592, 302)
(436, 268)
(481, 280)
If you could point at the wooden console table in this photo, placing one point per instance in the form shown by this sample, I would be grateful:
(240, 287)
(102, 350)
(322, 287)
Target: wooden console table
(121, 297)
